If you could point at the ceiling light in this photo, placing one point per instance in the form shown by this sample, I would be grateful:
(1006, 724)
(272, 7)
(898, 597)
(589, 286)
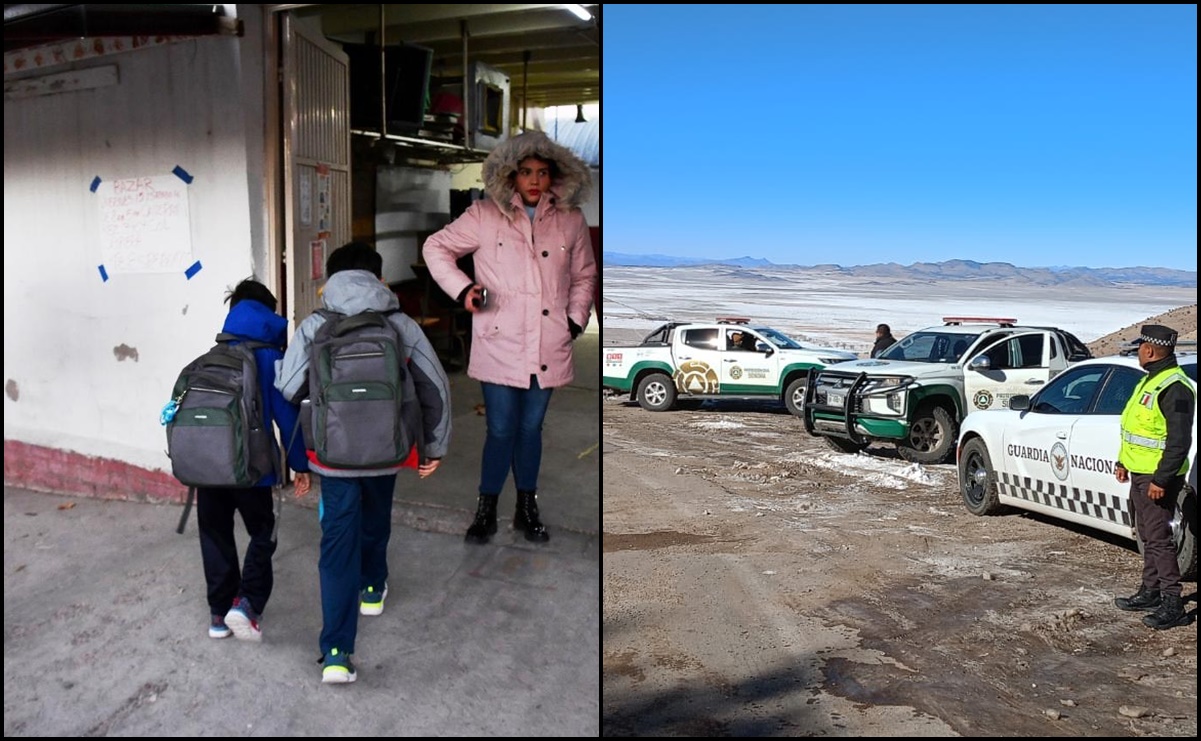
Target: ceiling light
(580, 12)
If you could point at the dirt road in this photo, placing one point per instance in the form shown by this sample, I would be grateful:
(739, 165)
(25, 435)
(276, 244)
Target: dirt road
(758, 583)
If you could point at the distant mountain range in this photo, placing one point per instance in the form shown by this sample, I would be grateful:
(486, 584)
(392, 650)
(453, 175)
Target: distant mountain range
(957, 270)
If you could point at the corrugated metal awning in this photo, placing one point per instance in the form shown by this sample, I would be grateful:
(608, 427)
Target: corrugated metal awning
(28, 26)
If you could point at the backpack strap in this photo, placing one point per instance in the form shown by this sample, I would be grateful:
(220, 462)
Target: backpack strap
(187, 509)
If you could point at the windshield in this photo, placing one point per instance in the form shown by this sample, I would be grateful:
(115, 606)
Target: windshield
(930, 347)
(779, 340)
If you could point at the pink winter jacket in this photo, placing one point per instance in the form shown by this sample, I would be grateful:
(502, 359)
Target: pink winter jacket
(537, 275)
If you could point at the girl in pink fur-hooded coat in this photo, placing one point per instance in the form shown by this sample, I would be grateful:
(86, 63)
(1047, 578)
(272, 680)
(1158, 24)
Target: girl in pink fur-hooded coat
(533, 256)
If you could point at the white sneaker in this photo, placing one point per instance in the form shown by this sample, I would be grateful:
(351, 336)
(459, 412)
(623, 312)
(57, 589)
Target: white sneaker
(371, 602)
(243, 621)
(218, 628)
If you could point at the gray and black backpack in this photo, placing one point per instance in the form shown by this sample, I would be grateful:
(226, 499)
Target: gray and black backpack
(217, 437)
(364, 410)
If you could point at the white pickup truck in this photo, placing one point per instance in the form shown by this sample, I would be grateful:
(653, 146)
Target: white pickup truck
(725, 359)
(917, 392)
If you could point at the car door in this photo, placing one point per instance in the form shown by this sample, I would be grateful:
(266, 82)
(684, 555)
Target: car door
(1036, 445)
(749, 366)
(1015, 364)
(698, 360)
(1093, 447)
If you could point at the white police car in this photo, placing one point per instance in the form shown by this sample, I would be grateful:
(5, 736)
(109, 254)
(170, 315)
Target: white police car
(1054, 453)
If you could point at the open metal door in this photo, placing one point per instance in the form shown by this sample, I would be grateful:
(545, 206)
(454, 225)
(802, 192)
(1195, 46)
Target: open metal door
(316, 116)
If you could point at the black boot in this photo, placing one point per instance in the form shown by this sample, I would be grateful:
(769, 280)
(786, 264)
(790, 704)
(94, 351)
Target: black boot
(1169, 615)
(484, 525)
(526, 518)
(1145, 598)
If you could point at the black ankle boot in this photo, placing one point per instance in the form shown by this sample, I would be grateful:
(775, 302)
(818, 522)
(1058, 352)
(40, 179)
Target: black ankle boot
(1144, 599)
(1169, 615)
(484, 525)
(526, 518)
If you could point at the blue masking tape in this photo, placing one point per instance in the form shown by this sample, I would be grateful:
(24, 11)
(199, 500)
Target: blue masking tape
(95, 184)
(103, 273)
(182, 174)
(192, 271)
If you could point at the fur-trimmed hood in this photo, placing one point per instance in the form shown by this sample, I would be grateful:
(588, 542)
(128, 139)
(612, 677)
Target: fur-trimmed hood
(571, 188)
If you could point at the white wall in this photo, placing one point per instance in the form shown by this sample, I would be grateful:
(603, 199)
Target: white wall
(87, 363)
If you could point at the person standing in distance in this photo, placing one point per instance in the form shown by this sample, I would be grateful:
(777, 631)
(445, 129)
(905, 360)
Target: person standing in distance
(533, 256)
(884, 340)
(1157, 432)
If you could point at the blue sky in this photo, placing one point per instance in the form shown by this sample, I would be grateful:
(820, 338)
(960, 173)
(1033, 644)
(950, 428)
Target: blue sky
(1035, 135)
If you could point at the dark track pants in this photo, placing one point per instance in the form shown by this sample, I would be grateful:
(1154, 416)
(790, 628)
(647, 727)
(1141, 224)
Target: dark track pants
(215, 510)
(356, 524)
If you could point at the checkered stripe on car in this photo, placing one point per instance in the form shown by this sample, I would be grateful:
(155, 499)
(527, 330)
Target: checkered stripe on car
(1068, 498)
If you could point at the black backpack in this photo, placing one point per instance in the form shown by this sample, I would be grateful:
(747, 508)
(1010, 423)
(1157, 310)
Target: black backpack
(364, 409)
(217, 436)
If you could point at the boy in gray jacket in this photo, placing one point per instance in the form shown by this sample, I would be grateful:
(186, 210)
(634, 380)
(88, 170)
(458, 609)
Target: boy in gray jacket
(356, 518)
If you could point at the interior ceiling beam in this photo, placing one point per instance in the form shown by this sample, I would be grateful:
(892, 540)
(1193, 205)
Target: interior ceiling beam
(566, 55)
(338, 19)
(477, 29)
(517, 44)
(549, 78)
(582, 70)
(554, 99)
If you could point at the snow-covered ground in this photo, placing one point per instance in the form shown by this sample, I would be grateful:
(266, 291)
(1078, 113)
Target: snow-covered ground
(839, 311)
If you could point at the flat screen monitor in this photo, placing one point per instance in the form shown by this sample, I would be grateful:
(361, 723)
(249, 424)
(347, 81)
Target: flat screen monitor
(407, 68)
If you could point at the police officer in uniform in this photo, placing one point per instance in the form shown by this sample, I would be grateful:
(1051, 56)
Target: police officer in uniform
(1157, 432)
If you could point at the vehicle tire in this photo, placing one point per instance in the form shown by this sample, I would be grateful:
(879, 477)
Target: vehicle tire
(844, 445)
(794, 397)
(932, 437)
(1184, 533)
(978, 480)
(656, 393)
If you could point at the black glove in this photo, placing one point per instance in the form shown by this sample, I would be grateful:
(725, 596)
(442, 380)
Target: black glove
(575, 328)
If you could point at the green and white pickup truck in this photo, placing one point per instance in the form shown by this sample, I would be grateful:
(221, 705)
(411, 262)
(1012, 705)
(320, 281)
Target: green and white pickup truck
(726, 359)
(917, 392)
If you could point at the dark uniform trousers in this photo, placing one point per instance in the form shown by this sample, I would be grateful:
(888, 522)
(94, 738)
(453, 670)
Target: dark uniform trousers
(1160, 569)
(215, 510)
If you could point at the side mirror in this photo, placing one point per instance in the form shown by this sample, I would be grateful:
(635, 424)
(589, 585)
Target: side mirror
(980, 363)
(768, 351)
(1019, 403)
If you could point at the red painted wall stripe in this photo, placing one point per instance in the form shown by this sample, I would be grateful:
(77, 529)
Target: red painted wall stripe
(64, 472)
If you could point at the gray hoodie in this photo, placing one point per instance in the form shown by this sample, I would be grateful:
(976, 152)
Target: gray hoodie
(353, 292)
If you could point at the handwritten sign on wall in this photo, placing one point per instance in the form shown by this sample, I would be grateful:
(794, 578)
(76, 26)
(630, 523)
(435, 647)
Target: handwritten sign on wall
(145, 225)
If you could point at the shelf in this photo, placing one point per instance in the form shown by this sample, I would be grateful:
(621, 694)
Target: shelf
(428, 149)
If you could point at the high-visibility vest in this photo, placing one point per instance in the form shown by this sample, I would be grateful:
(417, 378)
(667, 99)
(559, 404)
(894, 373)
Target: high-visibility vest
(1144, 428)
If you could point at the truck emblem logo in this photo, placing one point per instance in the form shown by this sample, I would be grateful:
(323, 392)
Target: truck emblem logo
(982, 399)
(1059, 461)
(735, 373)
(696, 377)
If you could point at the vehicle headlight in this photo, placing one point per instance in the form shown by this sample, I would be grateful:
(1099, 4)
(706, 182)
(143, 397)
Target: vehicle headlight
(885, 384)
(832, 361)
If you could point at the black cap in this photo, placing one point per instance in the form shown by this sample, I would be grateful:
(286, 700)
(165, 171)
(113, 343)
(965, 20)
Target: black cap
(1157, 334)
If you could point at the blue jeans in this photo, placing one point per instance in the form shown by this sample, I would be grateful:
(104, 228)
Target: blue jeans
(356, 523)
(514, 439)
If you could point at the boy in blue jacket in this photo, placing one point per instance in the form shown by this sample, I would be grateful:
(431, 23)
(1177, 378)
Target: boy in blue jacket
(237, 600)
